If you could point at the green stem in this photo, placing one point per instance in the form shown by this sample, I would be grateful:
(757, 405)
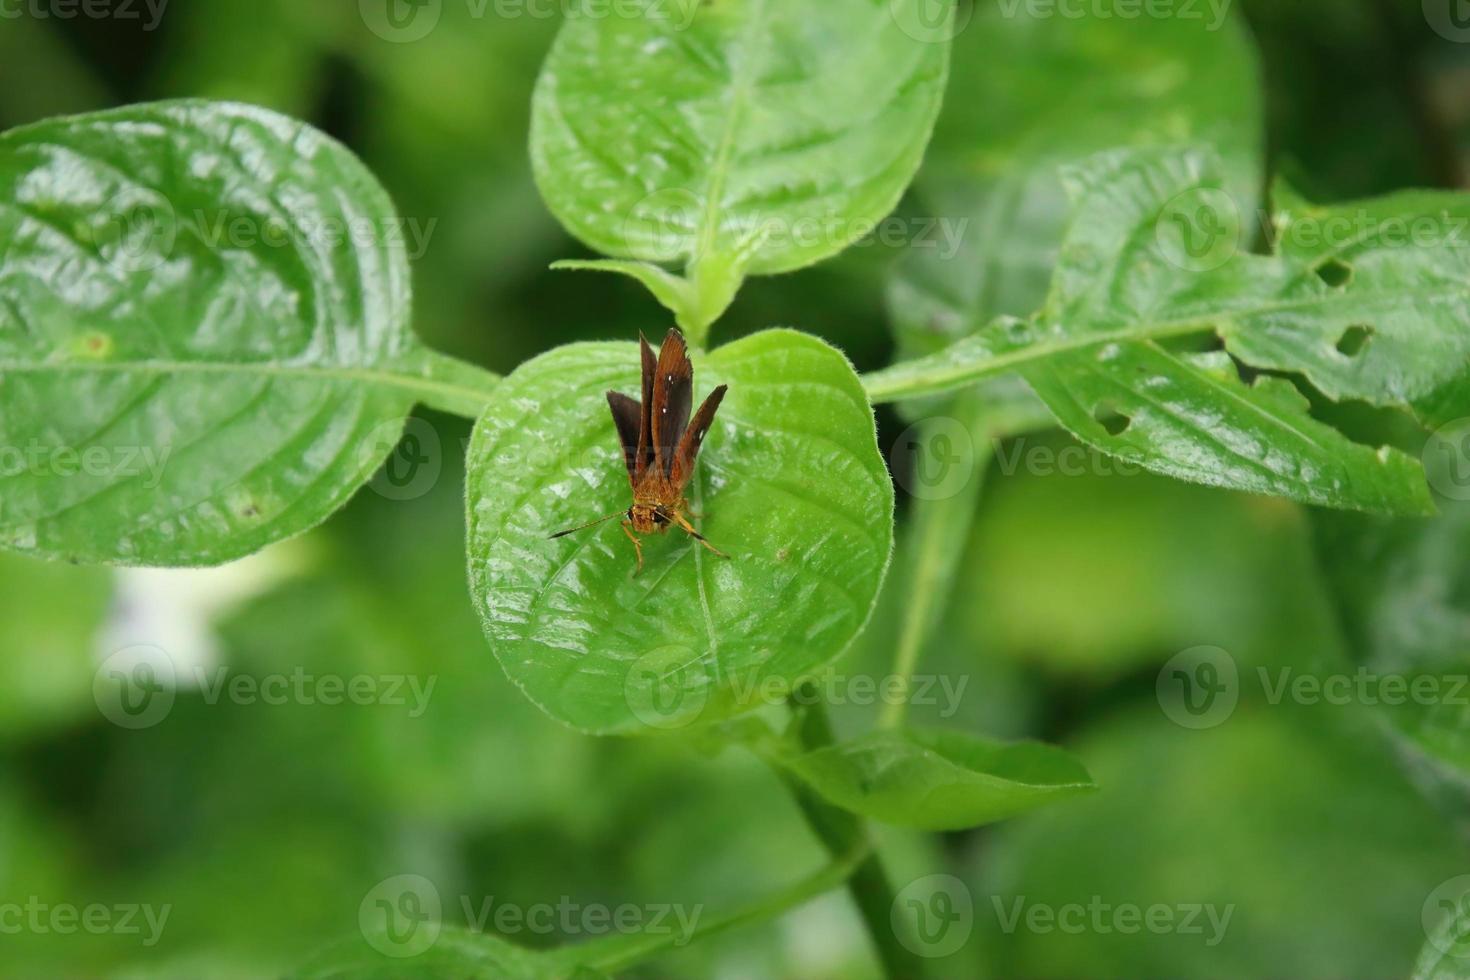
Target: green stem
(940, 527)
(842, 832)
(618, 953)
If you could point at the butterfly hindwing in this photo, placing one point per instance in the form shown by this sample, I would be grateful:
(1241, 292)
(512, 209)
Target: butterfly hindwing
(693, 439)
(627, 415)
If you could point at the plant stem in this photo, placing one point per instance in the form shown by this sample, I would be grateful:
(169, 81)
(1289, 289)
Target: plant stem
(941, 526)
(842, 832)
(618, 953)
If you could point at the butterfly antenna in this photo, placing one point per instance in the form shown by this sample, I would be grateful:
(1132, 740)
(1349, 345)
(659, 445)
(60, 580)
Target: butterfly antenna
(583, 527)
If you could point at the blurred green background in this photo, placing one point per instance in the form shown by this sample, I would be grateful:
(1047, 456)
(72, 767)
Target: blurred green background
(263, 827)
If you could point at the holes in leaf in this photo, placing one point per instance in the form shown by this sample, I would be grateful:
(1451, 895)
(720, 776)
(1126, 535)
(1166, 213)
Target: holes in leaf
(1335, 273)
(1354, 339)
(1112, 420)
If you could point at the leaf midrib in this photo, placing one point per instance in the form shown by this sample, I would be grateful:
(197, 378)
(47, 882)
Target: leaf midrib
(383, 378)
(741, 85)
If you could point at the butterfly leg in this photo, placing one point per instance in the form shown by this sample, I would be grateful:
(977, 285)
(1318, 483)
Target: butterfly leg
(689, 529)
(637, 545)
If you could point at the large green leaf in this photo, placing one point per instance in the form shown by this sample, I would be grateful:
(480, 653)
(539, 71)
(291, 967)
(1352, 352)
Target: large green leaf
(764, 135)
(1133, 281)
(204, 333)
(936, 779)
(1031, 92)
(791, 485)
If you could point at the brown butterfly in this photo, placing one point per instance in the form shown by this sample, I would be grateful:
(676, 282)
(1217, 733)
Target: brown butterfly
(660, 443)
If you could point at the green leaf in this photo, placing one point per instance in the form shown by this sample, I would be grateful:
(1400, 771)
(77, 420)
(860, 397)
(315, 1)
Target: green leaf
(457, 953)
(204, 333)
(1149, 259)
(938, 780)
(761, 134)
(1402, 593)
(1030, 93)
(790, 483)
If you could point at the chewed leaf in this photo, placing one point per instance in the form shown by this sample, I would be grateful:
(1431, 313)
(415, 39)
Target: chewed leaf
(760, 134)
(938, 780)
(204, 333)
(790, 484)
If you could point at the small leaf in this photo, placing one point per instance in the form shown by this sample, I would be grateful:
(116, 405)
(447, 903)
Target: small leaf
(457, 953)
(751, 132)
(1151, 258)
(1030, 93)
(1402, 593)
(790, 483)
(938, 780)
(204, 333)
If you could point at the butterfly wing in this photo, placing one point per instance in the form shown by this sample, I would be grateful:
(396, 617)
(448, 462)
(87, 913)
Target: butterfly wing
(645, 422)
(693, 439)
(673, 395)
(627, 416)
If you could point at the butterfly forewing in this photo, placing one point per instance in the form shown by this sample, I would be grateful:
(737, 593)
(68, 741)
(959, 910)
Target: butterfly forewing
(673, 395)
(693, 439)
